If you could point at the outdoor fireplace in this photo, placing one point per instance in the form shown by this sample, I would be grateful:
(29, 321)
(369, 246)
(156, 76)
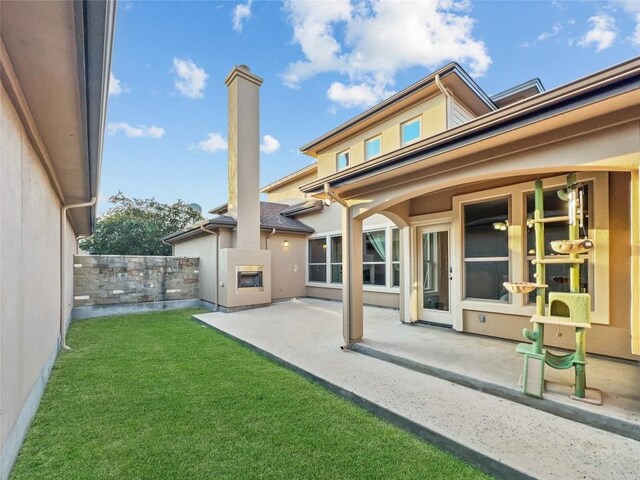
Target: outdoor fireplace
(249, 278)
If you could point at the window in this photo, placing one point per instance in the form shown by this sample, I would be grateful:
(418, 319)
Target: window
(557, 275)
(374, 258)
(336, 259)
(395, 257)
(342, 160)
(318, 260)
(486, 249)
(380, 265)
(373, 147)
(411, 130)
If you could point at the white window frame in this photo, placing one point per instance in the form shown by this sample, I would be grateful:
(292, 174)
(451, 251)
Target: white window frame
(331, 262)
(598, 232)
(366, 287)
(366, 142)
(386, 260)
(348, 154)
(394, 262)
(326, 260)
(420, 134)
(465, 260)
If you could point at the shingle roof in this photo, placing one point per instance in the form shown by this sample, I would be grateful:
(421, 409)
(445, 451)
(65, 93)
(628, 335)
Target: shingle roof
(270, 217)
(307, 206)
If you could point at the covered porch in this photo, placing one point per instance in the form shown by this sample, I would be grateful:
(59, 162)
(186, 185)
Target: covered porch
(482, 174)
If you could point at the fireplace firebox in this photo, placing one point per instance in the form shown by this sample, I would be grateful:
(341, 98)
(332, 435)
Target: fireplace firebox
(249, 278)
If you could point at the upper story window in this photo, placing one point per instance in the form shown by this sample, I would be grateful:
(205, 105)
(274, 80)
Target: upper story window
(411, 130)
(373, 147)
(342, 160)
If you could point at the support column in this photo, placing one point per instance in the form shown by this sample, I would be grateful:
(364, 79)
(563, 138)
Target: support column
(352, 312)
(635, 261)
(405, 275)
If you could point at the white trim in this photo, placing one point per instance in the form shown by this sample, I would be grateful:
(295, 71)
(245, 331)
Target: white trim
(348, 152)
(431, 218)
(406, 122)
(387, 288)
(452, 316)
(598, 231)
(379, 136)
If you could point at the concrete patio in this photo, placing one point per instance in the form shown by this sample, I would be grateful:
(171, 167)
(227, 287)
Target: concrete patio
(505, 438)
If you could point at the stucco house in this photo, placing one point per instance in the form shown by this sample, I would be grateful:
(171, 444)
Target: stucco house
(424, 203)
(54, 65)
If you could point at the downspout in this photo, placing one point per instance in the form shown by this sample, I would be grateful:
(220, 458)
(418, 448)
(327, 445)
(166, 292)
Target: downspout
(346, 258)
(448, 100)
(215, 291)
(63, 240)
(266, 241)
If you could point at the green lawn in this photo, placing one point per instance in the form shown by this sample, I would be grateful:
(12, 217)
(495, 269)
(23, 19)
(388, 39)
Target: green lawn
(158, 396)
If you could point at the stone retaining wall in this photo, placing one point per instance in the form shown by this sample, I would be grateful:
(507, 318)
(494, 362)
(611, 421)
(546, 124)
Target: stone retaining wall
(118, 279)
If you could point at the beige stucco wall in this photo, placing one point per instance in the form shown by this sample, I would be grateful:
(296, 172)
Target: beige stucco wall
(29, 270)
(287, 265)
(613, 339)
(229, 259)
(432, 111)
(290, 191)
(378, 299)
(204, 247)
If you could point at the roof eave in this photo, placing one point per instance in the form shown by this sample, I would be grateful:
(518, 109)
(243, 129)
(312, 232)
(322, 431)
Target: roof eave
(448, 69)
(475, 128)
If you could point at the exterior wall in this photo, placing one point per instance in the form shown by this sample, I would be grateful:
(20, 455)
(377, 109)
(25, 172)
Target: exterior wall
(203, 247)
(124, 279)
(377, 299)
(613, 339)
(29, 281)
(434, 120)
(290, 191)
(459, 114)
(287, 265)
(328, 221)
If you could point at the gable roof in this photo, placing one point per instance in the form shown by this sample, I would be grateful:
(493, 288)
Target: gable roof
(271, 217)
(614, 81)
(298, 174)
(519, 92)
(455, 74)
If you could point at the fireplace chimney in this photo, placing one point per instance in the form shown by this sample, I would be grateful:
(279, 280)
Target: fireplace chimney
(244, 155)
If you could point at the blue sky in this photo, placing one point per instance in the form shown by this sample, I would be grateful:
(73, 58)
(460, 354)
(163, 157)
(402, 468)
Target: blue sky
(322, 63)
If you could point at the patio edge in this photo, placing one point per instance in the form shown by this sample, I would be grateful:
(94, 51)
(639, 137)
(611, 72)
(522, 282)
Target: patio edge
(596, 420)
(469, 455)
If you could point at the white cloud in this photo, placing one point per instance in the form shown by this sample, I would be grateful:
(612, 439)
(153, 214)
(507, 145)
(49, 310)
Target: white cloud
(358, 95)
(241, 12)
(269, 144)
(191, 79)
(602, 34)
(214, 143)
(370, 42)
(138, 131)
(116, 87)
(633, 8)
(554, 31)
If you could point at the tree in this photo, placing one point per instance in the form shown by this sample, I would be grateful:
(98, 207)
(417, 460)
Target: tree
(134, 226)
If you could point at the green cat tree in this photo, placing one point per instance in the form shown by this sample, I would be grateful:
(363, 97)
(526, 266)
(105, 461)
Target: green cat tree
(565, 308)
